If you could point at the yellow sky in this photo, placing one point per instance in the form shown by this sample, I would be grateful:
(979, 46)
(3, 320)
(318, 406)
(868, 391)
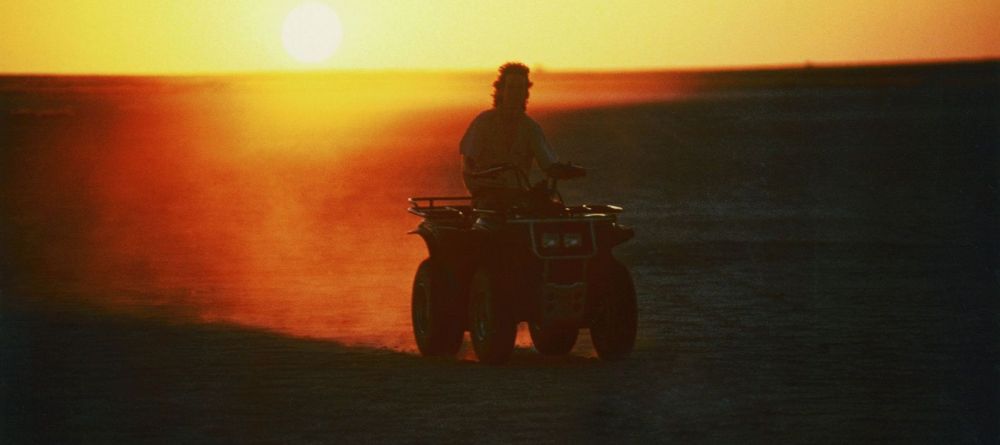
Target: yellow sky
(198, 36)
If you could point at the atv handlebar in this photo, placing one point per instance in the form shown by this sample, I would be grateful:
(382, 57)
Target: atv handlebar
(559, 170)
(492, 171)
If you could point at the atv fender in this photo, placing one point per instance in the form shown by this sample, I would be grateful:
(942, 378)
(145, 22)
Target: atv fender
(428, 236)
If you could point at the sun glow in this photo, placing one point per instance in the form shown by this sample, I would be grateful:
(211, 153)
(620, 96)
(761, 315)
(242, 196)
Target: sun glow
(197, 36)
(311, 33)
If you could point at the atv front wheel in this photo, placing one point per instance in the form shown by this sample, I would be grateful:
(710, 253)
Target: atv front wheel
(613, 326)
(552, 340)
(436, 327)
(491, 323)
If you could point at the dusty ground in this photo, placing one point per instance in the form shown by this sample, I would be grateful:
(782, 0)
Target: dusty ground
(816, 261)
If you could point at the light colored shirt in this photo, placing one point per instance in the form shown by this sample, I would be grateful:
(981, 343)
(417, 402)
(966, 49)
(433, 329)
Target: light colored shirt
(493, 139)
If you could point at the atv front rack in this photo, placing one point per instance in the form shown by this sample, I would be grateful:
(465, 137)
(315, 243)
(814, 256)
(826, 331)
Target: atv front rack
(588, 209)
(460, 208)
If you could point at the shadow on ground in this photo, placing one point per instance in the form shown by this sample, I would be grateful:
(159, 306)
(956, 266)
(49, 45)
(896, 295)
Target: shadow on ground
(75, 373)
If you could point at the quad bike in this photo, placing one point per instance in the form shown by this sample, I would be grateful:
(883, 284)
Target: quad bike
(534, 259)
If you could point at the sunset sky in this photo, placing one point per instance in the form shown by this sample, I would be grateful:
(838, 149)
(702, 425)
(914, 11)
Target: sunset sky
(196, 36)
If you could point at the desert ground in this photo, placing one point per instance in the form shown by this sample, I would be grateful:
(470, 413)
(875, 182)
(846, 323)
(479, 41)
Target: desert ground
(219, 260)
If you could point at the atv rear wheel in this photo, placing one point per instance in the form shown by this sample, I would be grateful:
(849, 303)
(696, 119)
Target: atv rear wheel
(552, 340)
(436, 327)
(491, 323)
(614, 321)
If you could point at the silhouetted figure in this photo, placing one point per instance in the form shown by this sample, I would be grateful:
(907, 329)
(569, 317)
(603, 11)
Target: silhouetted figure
(504, 135)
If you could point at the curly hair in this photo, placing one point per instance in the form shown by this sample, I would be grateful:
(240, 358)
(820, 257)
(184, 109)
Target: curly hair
(499, 84)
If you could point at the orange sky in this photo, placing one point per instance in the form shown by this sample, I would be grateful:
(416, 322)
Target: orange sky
(197, 36)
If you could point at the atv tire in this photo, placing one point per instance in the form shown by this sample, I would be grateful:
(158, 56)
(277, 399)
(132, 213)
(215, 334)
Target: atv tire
(491, 324)
(552, 340)
(436, 327)
(615, 318)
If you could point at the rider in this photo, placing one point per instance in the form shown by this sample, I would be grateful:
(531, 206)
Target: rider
(504, 135)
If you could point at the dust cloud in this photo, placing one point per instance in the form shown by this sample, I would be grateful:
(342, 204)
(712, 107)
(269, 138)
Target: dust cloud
(273, 201)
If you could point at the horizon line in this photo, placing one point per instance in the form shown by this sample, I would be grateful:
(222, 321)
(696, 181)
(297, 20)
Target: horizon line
(536, 69)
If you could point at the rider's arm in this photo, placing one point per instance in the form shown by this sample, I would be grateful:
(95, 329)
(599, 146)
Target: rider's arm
(471, 148)
(472, 142)
(544, 154)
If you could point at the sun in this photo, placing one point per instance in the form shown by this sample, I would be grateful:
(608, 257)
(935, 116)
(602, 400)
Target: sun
(312, 32)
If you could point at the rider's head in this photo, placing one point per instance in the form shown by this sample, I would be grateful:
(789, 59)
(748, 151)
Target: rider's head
(510, 90)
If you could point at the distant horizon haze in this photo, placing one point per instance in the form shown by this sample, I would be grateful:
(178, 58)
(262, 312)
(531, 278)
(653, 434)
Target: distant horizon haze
(536, 69)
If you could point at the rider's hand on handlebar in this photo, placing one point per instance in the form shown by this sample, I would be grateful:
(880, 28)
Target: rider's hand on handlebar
(565, 170)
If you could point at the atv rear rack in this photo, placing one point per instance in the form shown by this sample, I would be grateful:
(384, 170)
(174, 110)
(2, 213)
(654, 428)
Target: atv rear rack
(441, 207)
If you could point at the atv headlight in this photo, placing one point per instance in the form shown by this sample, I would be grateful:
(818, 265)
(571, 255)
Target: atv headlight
(572, 240)
(550, 240)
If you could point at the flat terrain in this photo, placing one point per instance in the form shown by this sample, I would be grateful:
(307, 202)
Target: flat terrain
(224, 260)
